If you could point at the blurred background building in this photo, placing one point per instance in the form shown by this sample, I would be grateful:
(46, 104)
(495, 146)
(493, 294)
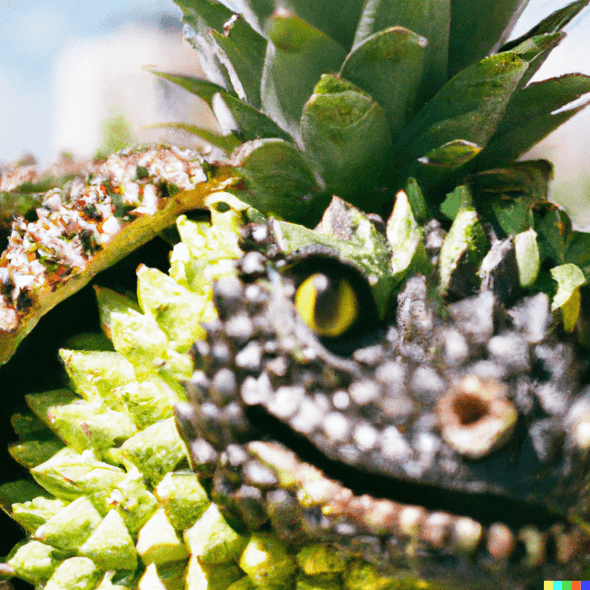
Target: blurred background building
(72, 78)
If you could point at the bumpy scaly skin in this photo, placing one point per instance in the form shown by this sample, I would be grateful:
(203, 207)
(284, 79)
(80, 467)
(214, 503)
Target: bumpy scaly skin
(490, 401)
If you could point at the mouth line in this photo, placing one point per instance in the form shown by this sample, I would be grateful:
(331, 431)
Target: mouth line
(485, 508)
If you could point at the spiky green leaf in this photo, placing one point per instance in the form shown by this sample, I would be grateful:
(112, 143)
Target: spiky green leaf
(507, 195)
(210, 12)
(248, 122)
(345, 133)
(543, 98)
(469, 107)
(569, 278)
(290, 76)
(427, 18)
(417, 201)
(242, 54)
(453, 154)
(555, 22)
(479, 29)
(553, 227)
(535, 112)
(389, 65)
(337, 22)
(197, 86)
(527, 257)
(535, 51)
(227, 143)
(578, 251)
(404, 236)
(462, 251)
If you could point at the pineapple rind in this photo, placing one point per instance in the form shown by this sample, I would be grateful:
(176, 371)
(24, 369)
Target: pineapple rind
(212, 540)
(110, 545)
(183, 499)
(33, 513)
(155, 451)
(158, 542)
(69, 529)
(35, 561)
(75, 573)
(90, 225)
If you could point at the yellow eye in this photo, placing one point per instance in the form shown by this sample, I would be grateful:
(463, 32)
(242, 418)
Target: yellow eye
(329, 306)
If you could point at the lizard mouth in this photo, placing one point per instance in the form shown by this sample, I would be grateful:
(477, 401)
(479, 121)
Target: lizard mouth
(436, 533)
(485, 508)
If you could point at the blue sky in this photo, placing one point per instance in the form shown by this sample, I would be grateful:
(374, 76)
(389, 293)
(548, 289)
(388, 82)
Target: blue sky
(32, 33)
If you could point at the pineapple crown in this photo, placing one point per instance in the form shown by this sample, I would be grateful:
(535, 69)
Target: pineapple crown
(314, 102)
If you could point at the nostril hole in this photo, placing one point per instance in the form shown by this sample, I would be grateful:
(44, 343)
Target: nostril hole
(470, 408)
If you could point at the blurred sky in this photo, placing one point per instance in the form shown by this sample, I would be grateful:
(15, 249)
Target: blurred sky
(34, 33)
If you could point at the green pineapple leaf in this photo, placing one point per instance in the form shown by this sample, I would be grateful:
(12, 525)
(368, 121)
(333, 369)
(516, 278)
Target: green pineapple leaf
(245, 121)
(429, 19)
(543, 98)
(535, 51)
(569, 279)
(527, 257)
(227, 143)
(534, 113)
(389, 65)
(578, 251)
(404, 236)
(553, 227)
(453, 154)
(508, 195)
(280, 181)
(343, 128)
(244, 67)
(477, 30)
(197, 86)
(469, 107)
(556, 21)
(293, 69)
(337, 24)
(208, 12)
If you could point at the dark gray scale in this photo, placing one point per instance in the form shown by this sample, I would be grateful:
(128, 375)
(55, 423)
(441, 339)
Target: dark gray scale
(483, 404)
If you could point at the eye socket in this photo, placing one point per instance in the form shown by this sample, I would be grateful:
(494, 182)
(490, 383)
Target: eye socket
(327, 304)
